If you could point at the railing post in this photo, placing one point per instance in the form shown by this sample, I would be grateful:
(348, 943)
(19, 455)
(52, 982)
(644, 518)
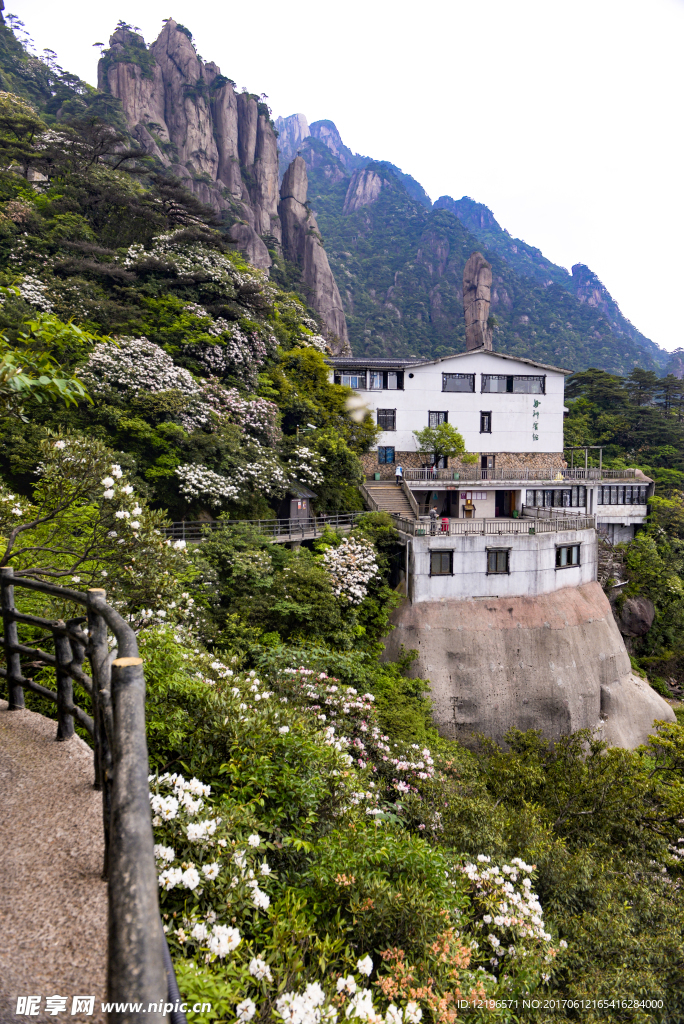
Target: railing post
(65, 686)
(16, 691)
(136, 970)
(98, 655)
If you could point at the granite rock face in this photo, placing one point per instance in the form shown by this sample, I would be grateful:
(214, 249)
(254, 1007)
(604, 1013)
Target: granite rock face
(477, 289)
(636, 616)
(555, 662)
(302, 246)
(187, 115)
(292, 131)
(364, 188)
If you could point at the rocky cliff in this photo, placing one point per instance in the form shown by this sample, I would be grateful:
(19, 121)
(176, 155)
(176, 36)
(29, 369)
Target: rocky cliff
(477, 288)
(302, 246)
(188, 116)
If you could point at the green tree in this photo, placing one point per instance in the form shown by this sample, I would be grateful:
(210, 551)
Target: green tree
(443, 441)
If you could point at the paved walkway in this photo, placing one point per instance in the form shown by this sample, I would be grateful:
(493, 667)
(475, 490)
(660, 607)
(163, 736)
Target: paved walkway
(53, 902)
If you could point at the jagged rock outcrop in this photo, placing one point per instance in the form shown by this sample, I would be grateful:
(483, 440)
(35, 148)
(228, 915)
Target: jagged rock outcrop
(477, 285)
(364, 188)
(554, 662)
(302, 246)
(636, 616)
(292, 131)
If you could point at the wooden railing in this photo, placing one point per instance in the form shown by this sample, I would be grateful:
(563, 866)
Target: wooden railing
(138, 965)
(491, 527)
(470, 474)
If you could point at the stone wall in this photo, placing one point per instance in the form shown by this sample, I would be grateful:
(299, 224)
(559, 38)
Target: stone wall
(504, 460)
(554, 662)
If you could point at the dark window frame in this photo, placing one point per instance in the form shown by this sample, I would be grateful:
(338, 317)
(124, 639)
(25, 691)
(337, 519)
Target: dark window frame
(499, 551)
(384, 461)
(355, 372)
(440, 554)
(385, 413)
(458, 376)
(568, 547)
(483, 428)
(510, 379)
(438, 412)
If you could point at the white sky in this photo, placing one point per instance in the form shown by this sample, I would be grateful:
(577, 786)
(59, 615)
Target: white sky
(563, 116)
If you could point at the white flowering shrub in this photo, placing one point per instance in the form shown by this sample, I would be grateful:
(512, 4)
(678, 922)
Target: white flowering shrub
(351, 566)
(33, 291)
(305, 465)
(133, 365)
(197, 483)
(213, 404)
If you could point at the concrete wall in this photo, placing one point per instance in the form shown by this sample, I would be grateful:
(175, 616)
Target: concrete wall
(513, 416)
(554, 662)
(532, 563)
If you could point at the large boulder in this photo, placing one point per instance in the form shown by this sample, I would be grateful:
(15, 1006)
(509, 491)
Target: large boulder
(636, 616)
(477, 294)
(555, 662)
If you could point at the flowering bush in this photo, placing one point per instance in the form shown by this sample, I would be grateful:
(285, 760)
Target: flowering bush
(305, 465)
(33, 291)
(134, 364)
(351, 566)
(202, 484)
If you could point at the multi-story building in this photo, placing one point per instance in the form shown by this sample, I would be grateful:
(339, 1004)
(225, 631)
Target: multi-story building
(509, 411)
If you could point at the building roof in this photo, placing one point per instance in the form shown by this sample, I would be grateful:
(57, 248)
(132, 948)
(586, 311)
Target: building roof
(400, 364)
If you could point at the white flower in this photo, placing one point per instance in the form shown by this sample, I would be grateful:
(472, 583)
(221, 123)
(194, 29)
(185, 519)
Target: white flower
(365, 966)
(494, 941)
(109, 493)
(394, 1015)
(107, 482)
(563, 944)
(170, 878)
(135, 525)
(283, 729)
(166, 853)
(254, 839)
(122, 514)
(200, 932)
(347, 983)
(260, 899)
(260, 969)
(413, 1013)
(165, 806)
(245, 1010)
(75, 579)
(210, 871)
(179, 545)
(224, 940)
(128, 489)
(265, 869)
(191, 878)
(60, 444)
(116, 471)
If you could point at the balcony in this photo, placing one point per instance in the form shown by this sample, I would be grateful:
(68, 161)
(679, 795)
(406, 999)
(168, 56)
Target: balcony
(522, 474)
(530, 523)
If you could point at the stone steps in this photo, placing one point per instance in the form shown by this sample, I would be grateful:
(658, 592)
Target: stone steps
(391, 498)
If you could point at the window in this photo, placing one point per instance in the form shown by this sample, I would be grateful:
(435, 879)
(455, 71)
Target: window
(435, 418)
(570, 497)
(493, 383)
(441, 563)
(385, 456)
(498, 560)
(634, 495)
(458, 382)
(387, 419)
(487, 462)
(485, 422)
(567, 556)
(376, 380)
(352, 379)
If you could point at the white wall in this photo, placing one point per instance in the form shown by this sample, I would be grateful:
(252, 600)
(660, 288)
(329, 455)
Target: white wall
(532, 565)
(512, 415)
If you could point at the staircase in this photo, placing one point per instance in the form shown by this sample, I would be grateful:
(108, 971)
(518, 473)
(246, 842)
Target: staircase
(386, 496)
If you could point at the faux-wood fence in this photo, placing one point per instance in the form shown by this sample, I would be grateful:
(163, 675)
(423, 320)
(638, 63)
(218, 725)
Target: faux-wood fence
(139, 967)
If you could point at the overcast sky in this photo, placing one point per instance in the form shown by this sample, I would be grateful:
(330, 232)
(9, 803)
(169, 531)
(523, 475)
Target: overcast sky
(565, 118)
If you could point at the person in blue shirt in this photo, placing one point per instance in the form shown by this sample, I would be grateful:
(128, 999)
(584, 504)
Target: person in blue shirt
(398, 474)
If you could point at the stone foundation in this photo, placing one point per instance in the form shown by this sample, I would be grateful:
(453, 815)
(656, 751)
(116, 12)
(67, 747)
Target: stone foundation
(554, 662)
(504, 460)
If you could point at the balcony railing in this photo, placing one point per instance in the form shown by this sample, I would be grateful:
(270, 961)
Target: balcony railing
(492, 527)
(274, 529)
(469, 474)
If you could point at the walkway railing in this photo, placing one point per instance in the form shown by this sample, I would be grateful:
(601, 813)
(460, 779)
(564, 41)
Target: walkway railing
(468, 474)
(276, 529)
(137, 951)
(537, 512)
(491, 527)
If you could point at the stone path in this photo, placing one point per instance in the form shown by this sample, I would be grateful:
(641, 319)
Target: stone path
(53, 902)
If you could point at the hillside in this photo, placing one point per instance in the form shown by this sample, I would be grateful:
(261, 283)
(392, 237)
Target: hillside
(399, 262)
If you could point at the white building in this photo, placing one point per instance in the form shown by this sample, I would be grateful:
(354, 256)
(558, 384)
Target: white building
(499, 403)
(510, 412)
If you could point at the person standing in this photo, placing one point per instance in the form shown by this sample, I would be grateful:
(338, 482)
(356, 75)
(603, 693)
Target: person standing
(433, 519)
(398, 475)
